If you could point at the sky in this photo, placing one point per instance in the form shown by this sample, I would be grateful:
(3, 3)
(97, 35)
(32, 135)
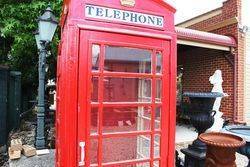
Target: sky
(245, 13)
(187, 9)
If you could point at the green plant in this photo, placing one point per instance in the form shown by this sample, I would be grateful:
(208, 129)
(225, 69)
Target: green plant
(18, 50)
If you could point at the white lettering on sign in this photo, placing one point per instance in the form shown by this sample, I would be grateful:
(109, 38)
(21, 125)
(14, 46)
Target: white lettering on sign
(110, 14)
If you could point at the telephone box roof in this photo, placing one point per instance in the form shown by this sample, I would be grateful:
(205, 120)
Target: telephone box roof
(161, 2)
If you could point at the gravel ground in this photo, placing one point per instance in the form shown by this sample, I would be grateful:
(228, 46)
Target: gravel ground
(112, 147)
(241, 160)
(26, 134)
(4, 160)
(47, 160)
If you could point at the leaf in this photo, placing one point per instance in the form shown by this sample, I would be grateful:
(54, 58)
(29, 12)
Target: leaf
(17, 43)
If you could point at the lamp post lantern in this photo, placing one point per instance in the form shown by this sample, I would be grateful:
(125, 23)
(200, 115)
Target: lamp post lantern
(47, 25)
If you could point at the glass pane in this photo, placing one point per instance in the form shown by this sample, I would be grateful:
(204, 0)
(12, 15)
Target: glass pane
(122, 59)
(146, 164)
(158, 90)
(158, 62)
(158, 118)
(117, 119)
(94, 120)
(94, 89)
(156, 164)
(93, 149)
(93, 165)
(127, 90)
(157, 141)
(126, 148)
(144, 118)
(143, 146)
(96, 49)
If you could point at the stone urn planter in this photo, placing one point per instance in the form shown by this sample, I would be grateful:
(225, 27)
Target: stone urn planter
(221, 149)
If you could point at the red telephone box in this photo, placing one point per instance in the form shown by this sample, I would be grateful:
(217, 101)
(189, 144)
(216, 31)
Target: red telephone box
(116, 84)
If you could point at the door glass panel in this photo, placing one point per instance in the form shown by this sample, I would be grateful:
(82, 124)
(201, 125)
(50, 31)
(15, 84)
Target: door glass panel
(93, 165)
(117, 119)
(158, 90)
(143, 146)
(146, 164)
(96, 49)
(127, 90)
(94, 89)
(156, 164)
(158, 118)
(157, 141)
(93, 149)
(121, 87)
(126, 148)
(158, 62)
(122, 59)
(94, 120)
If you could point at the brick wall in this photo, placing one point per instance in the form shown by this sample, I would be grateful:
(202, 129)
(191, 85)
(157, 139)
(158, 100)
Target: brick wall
(230, 9)
(199, 64)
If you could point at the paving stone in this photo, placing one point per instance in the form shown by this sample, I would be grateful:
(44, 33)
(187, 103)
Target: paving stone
(42, 152)
(14, 154)
(16, 144)
(29, 151)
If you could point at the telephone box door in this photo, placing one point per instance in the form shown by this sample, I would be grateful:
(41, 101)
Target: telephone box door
(123, 119)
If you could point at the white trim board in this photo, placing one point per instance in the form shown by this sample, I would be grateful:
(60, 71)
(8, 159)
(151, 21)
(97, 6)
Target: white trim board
(203, 45)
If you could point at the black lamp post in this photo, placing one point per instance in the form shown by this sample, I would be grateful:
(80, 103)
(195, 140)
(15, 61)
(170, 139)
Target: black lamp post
(47, 25)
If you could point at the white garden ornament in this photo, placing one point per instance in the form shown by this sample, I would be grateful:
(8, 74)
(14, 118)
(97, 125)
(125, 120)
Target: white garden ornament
(217, 81)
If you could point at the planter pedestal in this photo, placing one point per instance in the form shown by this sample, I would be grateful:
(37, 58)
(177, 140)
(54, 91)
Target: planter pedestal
(221, 149)
(193, 157)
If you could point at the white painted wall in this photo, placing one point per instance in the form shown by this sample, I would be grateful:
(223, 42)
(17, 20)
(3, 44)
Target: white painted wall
(245, 12)
(247, 79)
(246, 22)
